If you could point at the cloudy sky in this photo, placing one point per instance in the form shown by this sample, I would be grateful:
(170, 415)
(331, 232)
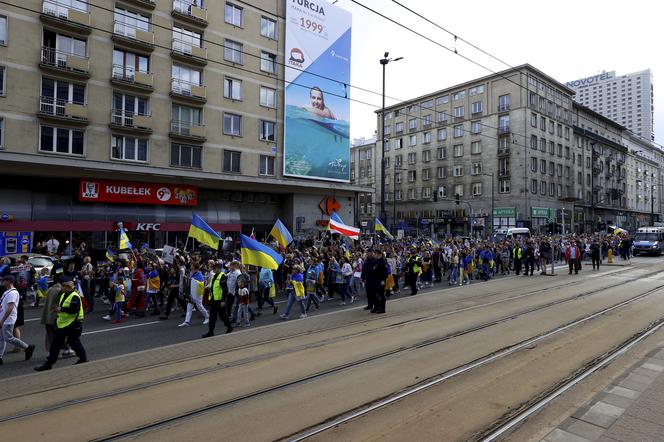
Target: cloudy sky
(566, 39)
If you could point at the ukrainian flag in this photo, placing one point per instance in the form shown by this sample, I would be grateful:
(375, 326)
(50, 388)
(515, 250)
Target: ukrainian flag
(203, 233)
(124, 240)
(379, 227)
(255, 253)
(281, 234)
(110, 254)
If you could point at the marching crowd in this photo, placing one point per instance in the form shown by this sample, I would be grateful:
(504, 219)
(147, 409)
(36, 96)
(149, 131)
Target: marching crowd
(214, 289)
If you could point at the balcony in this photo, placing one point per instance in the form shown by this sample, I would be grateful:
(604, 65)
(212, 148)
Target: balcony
(504, 173)
(130, 121)
(138, 81)
(504, 129)
(66, 17)
(503, 107)
(188, 11)
(188, 91)
(503, 151)
(457, 119)
(132, 36)
(58, 110)
(187, 130)
(60, 62)
(147, 4)
(188, 53)
(441, 122)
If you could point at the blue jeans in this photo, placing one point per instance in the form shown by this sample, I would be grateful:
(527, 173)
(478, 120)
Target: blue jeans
(453, 274)
(117, 308)
(291, 300)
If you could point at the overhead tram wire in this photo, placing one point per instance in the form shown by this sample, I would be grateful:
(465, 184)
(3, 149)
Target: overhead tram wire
(477, 63)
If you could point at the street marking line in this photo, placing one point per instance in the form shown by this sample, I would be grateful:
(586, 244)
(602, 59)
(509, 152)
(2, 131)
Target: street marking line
(120, 328)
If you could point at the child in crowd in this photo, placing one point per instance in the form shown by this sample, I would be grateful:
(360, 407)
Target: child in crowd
(42, 285)
(244, 298)
(119, 301)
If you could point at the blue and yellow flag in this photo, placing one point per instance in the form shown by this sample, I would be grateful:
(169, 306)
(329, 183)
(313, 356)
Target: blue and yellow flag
(203, 233)
(257, 254)
(379, 227)
(124, 240)
(110, 254)
(281, 234)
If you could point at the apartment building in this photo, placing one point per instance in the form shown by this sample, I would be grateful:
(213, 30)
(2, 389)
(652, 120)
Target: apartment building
(626, 99)
(514, 149)
(365, 171)
(184, 95)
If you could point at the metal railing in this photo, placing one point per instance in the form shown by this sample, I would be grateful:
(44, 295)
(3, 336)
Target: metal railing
(503, 107)
(126, 118)
(64, 60)
(183, 87)
(61, 9)
(57, 106)
(133, 31)
(128, 73)
(185, 7)
(186, 48)
(186, 128)
(505, 129)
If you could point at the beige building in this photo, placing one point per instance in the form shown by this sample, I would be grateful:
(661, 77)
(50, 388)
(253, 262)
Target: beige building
(365, 171)
(515, 149)
(174, 91)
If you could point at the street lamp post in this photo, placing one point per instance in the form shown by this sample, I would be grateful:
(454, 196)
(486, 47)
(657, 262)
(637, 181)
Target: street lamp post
(492, 195)
(384, 61)
(394, 195)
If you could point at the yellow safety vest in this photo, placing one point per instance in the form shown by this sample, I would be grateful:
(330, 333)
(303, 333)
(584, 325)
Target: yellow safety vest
(217, 289)
(518, 253)
(66, 319)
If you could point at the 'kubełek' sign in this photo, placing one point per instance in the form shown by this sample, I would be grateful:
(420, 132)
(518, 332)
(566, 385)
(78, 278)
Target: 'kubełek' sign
(130, 192)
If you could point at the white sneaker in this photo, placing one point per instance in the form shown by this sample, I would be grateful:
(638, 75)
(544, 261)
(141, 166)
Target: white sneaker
(184, 324)
(303, 316)
(106, 318)
(283, 316)
(206, 322)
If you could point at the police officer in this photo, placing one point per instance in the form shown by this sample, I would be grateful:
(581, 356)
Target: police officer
(413, 269)
(529, 254)
(376, 278)
(517, 257)
(68, 325)
(371, 290)
(218, 288)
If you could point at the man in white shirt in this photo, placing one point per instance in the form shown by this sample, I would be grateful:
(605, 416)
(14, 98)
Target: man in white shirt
(52, 246)
(8, 315)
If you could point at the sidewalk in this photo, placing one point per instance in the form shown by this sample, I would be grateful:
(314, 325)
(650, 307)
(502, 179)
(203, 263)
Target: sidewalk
(631, 409)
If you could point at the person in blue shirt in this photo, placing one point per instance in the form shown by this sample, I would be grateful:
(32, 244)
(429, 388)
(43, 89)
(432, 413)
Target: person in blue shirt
(42, 286)
(268, 293)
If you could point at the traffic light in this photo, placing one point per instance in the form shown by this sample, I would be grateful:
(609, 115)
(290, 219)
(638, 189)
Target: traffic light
(457, 198)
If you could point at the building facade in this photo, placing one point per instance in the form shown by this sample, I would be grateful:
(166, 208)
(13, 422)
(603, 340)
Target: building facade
(507, 150)
(626, 99)
(142, 92)
(364, 165)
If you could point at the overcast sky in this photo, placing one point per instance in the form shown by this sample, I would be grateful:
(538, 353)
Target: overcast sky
(565, 39)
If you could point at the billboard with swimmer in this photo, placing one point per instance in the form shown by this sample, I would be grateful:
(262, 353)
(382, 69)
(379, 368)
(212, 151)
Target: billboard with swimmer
(317, 81)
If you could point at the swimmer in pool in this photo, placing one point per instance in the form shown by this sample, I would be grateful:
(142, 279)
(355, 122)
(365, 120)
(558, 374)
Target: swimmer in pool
(318, 104)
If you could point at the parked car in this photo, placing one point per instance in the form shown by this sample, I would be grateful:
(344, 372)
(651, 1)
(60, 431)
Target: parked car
(36, 260)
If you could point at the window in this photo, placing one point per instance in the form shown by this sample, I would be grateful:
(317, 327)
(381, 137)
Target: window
(412, 176)
(3, 30)
(2, 132)
(503, 167)
(442, 116)
(268, 28)
(368, 170)
(398, 161)
(543, 187)
(426, 174)
(126, 64)
(442, 100)
(412, 140)
(457, 171)
(440, 172)
(268, 97)
(477, 189)
(183, 78)
(233, 15)
(232, 161)
(542, 123)
(504, 104)
(61, 140)
(559, 170)
(426, 192)
(459, 95)
(476, 90)
(504, 123)
(533, 119)
(426, 120)
(475, 127)
(458, 189)
(232, 124)
(426, 137)
(184, 40)
(552, 127)
(412, 123)
(476, 107)
(442, 134)
(552, 148)
(412, 157)
(442, 191)
(183, 155)
(128, 22)
(475, 148)
(268, 62)
(567, 133)
(55, 94)
(543, 144)
(427, 104)
(125, 106)
(267, 130)
(458, 131)
(458, 150)
(128, 148)
(559, 130)
(398, 127)
(412, 194)
(459, 112)
(476, 168)
(543, 166)
(504, 186)
(232, 88)
(426, 156)
(441, 153)
(397, 143)
(397, 178)
(533, 164)
(533, 186)
(398, 195)
(552, 168)
(233, 52)
(552, 189)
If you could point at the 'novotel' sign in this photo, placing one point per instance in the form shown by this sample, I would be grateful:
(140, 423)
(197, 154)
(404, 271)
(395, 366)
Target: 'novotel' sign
(590, 80)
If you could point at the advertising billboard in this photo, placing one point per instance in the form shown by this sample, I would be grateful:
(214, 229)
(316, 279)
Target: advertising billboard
(129, 192)
(317, 79)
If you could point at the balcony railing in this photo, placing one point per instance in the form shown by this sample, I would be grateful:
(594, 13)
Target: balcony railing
(191, 10)
(65, 61)
(503, 107)
(188, 89)
(76, 14)
(142, 33)
(504, 129)
(131, 75)
(65, 109)
(187, 129)
(503, 151)
(188, 50)
(130, 119)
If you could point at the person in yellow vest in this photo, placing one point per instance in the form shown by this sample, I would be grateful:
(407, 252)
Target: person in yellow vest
(68, 326)
(218, 292)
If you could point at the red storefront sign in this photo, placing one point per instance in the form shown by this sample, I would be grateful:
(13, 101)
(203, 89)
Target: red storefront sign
(129, 192)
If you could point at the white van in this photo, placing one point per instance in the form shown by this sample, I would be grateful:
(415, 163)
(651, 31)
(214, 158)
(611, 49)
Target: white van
(511, 233)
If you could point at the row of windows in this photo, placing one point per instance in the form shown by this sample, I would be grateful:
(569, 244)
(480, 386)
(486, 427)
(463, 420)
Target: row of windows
(445, 99)
(476, 189)
(442, 133)
(553, 188)
(72, 142)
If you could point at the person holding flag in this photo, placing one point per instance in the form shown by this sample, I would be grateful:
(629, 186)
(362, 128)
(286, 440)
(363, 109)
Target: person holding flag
(280, 233)
(257, 254)
(379, 227)
(196, 291)
(203, 233)
(124, 239)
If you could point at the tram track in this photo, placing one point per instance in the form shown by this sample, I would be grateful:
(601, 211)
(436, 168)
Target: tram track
(493, 356)
(396, 351)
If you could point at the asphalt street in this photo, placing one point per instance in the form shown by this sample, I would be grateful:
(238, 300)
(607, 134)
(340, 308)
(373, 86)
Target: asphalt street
(103, 339)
